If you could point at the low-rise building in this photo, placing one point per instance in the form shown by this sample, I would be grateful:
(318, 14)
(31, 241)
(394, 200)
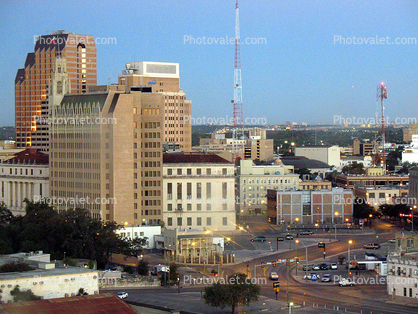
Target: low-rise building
(198, 192)
(333, 206)
(351, 180)
(410, 154)
(376, 196)
(25, 176)
(148, 232)
(329, 155)
(402, 279)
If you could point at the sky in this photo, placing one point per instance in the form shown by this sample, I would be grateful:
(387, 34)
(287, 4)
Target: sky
(307, 61)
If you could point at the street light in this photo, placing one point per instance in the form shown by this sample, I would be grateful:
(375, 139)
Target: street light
(349, 261)
(290, 307)
(306, 262)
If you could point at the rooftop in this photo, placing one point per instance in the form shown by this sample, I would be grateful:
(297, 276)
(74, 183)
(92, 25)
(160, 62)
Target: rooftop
(45, 272)
(29, 156)
(300, 162)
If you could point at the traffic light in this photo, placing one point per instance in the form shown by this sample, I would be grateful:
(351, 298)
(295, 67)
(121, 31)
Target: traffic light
(274, 264)
(279, 260)
(276, 284)
(262, 264)
(400, 215)
(321, 245)
(297, 260)
(410, 215)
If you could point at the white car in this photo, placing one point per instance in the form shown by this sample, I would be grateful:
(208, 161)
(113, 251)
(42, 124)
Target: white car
(346, 282)
(334, 266)
(326, 278)
(122, 295)
(392, 241)
(274, 276)
(316, 267)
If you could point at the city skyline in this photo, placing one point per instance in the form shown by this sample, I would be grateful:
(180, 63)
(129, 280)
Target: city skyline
(299, 68)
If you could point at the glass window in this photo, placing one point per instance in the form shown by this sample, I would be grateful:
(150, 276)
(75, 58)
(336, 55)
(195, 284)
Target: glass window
(189, 221)
(224, 190)
(179, 221)
(179, 192)
(170, 221)
(224, 221)
(208, 221)
(208, 171)
(208, 190)
(199, 190)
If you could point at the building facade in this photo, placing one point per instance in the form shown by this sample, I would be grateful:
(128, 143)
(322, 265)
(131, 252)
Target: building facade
(106, 154)
(334, 206)
(25, 176)
(328, 155)
(163, 77)
(376, 196)
(198, 192)
(32, 83)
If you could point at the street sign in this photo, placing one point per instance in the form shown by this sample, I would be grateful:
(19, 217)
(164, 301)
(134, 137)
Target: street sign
(276, 284)
(314, 277)
(321, 245)
(279, 239)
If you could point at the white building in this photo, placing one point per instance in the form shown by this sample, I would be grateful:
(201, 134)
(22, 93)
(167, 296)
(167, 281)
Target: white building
(402, 277)
(25, 176)
(46, 281)
(198, 192)
(148, 232)
(253, 182)
(410, 154)
(329, 155)
(348, 160)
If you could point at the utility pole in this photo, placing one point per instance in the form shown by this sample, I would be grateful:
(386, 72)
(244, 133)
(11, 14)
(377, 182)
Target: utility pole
(287, 290)
(381, 95)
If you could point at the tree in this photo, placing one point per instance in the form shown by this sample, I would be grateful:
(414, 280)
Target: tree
(81, 292)
(142, 268)
(238, 291)
(172, 277)
(24, 295)
(302, 172)
(15, 267)
(361, 209)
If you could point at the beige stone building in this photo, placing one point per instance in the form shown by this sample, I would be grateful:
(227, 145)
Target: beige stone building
(164, 78)
(106, 153)
(199, 192)
(409, 131)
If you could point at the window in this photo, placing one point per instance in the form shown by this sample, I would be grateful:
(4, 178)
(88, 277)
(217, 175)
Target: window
(224, 206)
(189, 207)
(208, 206)
(189, 172)
(189, 221)
(224, 221)
(208, 190)
(208, 171)
(170, 221)
(179, 192)
(179, 221)
(199, 190)
(224, 190)
(224, 171)
(189, 191)
(179, 172)
(198, 171)
(198, 206)
(169, 207)
(208, 221)
(199, 221)
(169, 172)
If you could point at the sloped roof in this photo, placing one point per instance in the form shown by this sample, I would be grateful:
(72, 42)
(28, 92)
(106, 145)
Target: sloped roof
(303, 162)
(194, 158)
(29, 156)
(89, 304)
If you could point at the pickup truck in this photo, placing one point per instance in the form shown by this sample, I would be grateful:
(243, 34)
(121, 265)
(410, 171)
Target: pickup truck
(346, 282)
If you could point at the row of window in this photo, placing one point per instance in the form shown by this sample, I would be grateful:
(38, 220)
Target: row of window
(198, 188)
(189, 221)
(179, 171)
(21, 172)
(189, 207)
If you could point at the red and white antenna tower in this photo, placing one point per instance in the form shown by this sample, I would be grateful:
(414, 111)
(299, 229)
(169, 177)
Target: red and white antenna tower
(382, 94)
(238, 132)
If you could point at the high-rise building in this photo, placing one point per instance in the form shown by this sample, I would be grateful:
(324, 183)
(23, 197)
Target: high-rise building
(106, 153)
(32, 83)
(164, 78)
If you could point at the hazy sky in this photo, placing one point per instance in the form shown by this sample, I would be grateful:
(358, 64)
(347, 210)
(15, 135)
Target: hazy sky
(300, 70)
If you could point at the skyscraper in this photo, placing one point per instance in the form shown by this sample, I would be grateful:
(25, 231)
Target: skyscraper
(33, 81)
(164, 77)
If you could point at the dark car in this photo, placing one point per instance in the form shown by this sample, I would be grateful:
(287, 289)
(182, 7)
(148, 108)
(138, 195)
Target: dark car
(258, 239)
(323, 266)
(373, 246)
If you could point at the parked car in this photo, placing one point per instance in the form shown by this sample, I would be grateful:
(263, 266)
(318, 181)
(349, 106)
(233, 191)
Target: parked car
(392, 241)
(306, 232)
(372, 246)
(289, 237)
(323, 266)
(334, 266)
(258, 239)
(122, 295)
(316, 267)
(274, 276)
(346, 282)
(310, 276)
(306, 267)
(326, 278)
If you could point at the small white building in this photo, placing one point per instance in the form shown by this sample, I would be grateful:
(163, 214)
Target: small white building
(410, 154)
(25, 176)
(148, 232)
(198, 192)
(402, 277)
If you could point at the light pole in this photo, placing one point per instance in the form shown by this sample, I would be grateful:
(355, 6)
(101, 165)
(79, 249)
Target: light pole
(349, 261)
(306, 261)
(290, 307)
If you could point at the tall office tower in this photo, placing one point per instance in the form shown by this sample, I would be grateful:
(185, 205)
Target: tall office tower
(33, 81)
(106, 154)
(164, 78)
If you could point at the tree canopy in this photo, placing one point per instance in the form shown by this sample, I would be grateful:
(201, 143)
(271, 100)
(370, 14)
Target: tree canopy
(237, 291)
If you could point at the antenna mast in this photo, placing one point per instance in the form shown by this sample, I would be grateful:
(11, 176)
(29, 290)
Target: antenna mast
(238, 132)
(381, 95)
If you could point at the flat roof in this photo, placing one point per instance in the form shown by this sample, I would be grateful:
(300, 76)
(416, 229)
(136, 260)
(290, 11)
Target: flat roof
(46, 272)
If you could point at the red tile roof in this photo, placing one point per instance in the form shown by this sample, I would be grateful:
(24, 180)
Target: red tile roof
(89, 304)
(29, 156)
(194, 158)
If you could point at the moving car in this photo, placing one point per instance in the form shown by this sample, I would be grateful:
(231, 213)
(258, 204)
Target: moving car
(289, 237)
(122, 295)
(310, 276)
(372, 246)
(334, 266)
(316, 267)
(274, 276)
(323, 266)
(307, 232)
(326, 278)
(306, 267)
(346, 282)
(258, 239)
